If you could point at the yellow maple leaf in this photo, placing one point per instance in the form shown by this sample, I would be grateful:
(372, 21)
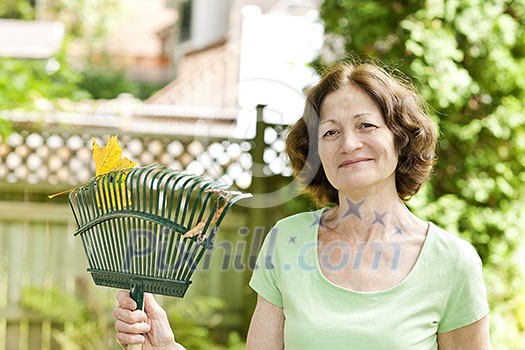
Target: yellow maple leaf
(109, 158)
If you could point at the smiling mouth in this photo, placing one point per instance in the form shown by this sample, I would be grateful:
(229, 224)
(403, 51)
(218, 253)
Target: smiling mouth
(354, 161)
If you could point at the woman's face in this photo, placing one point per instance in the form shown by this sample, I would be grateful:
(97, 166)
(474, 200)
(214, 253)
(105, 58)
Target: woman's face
(356, 147)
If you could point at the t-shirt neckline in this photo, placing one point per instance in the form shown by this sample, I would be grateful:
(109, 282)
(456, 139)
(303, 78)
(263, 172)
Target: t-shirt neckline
(421, 257)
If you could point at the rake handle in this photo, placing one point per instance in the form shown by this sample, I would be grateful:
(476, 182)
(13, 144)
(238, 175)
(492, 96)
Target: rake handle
(136, 293)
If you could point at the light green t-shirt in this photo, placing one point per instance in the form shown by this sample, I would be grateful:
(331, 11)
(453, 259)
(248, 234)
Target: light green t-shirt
(444, 291)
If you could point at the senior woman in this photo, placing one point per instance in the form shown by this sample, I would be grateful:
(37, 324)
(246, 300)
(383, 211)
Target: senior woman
(362, 272)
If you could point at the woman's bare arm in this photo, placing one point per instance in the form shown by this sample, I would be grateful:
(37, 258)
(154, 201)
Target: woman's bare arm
(266, 327)
(475, 336)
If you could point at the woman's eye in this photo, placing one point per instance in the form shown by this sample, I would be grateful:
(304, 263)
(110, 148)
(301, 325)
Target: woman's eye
(329, 133)
(367, 126)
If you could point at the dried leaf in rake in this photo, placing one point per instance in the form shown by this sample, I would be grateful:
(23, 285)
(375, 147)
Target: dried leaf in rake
(197, 230)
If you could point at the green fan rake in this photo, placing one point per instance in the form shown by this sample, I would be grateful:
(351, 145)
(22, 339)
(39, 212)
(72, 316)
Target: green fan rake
(146, 229)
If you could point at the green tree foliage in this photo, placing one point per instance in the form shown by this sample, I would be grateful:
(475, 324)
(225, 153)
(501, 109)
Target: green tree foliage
(468, 59)
(108, 83)
(5, 129)
(25, 83)
(86, 322)
(83, 320)
(17, 9)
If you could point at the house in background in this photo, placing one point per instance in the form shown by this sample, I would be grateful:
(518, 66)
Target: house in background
(218, 59)
(136, 41)
(201, 49)
(149, 37)
(258, 54)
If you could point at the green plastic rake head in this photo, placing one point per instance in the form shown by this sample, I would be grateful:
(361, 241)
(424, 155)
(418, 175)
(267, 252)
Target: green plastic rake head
(146, 229)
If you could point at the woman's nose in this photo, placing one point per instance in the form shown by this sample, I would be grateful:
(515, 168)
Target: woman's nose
(351, 142)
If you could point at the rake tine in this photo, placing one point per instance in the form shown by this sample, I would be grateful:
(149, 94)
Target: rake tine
(146, 229)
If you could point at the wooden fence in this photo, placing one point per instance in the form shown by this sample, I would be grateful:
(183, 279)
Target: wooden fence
(36, 250)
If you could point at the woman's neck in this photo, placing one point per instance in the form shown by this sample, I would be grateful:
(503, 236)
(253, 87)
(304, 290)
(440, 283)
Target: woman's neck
(371, 217)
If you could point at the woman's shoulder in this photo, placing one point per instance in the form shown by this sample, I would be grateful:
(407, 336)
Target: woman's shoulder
(453, 247)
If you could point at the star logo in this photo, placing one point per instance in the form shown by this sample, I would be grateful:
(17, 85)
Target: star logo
(353, 209)
(399, 231)
(318, 220)
(291, 239)
(379, 218)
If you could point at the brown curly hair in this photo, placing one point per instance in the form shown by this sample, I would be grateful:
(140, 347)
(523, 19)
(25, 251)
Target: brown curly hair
(405, 114)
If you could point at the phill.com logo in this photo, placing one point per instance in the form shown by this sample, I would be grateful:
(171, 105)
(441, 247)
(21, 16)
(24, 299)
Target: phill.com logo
(310, 254)
(163, 251)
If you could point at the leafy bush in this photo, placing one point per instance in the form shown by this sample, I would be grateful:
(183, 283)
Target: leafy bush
(88, 324)
(110, 83)
(29, 84)
(468, 61)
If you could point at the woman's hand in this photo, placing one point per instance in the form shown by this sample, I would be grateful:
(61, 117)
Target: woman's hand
(149, 327)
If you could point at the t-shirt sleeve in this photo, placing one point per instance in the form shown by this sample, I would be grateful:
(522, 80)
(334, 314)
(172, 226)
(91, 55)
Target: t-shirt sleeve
(467, 301)
(264, 278)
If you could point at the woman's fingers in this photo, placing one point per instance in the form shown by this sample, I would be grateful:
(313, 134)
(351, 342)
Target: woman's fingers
(152, 307)
(126, 338)
(129, 331)
(129, 316)
(132, 328)
(125, 301)
(136, 326)
(130, 324)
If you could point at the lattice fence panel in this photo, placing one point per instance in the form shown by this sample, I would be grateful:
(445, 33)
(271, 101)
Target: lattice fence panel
(64, 158)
